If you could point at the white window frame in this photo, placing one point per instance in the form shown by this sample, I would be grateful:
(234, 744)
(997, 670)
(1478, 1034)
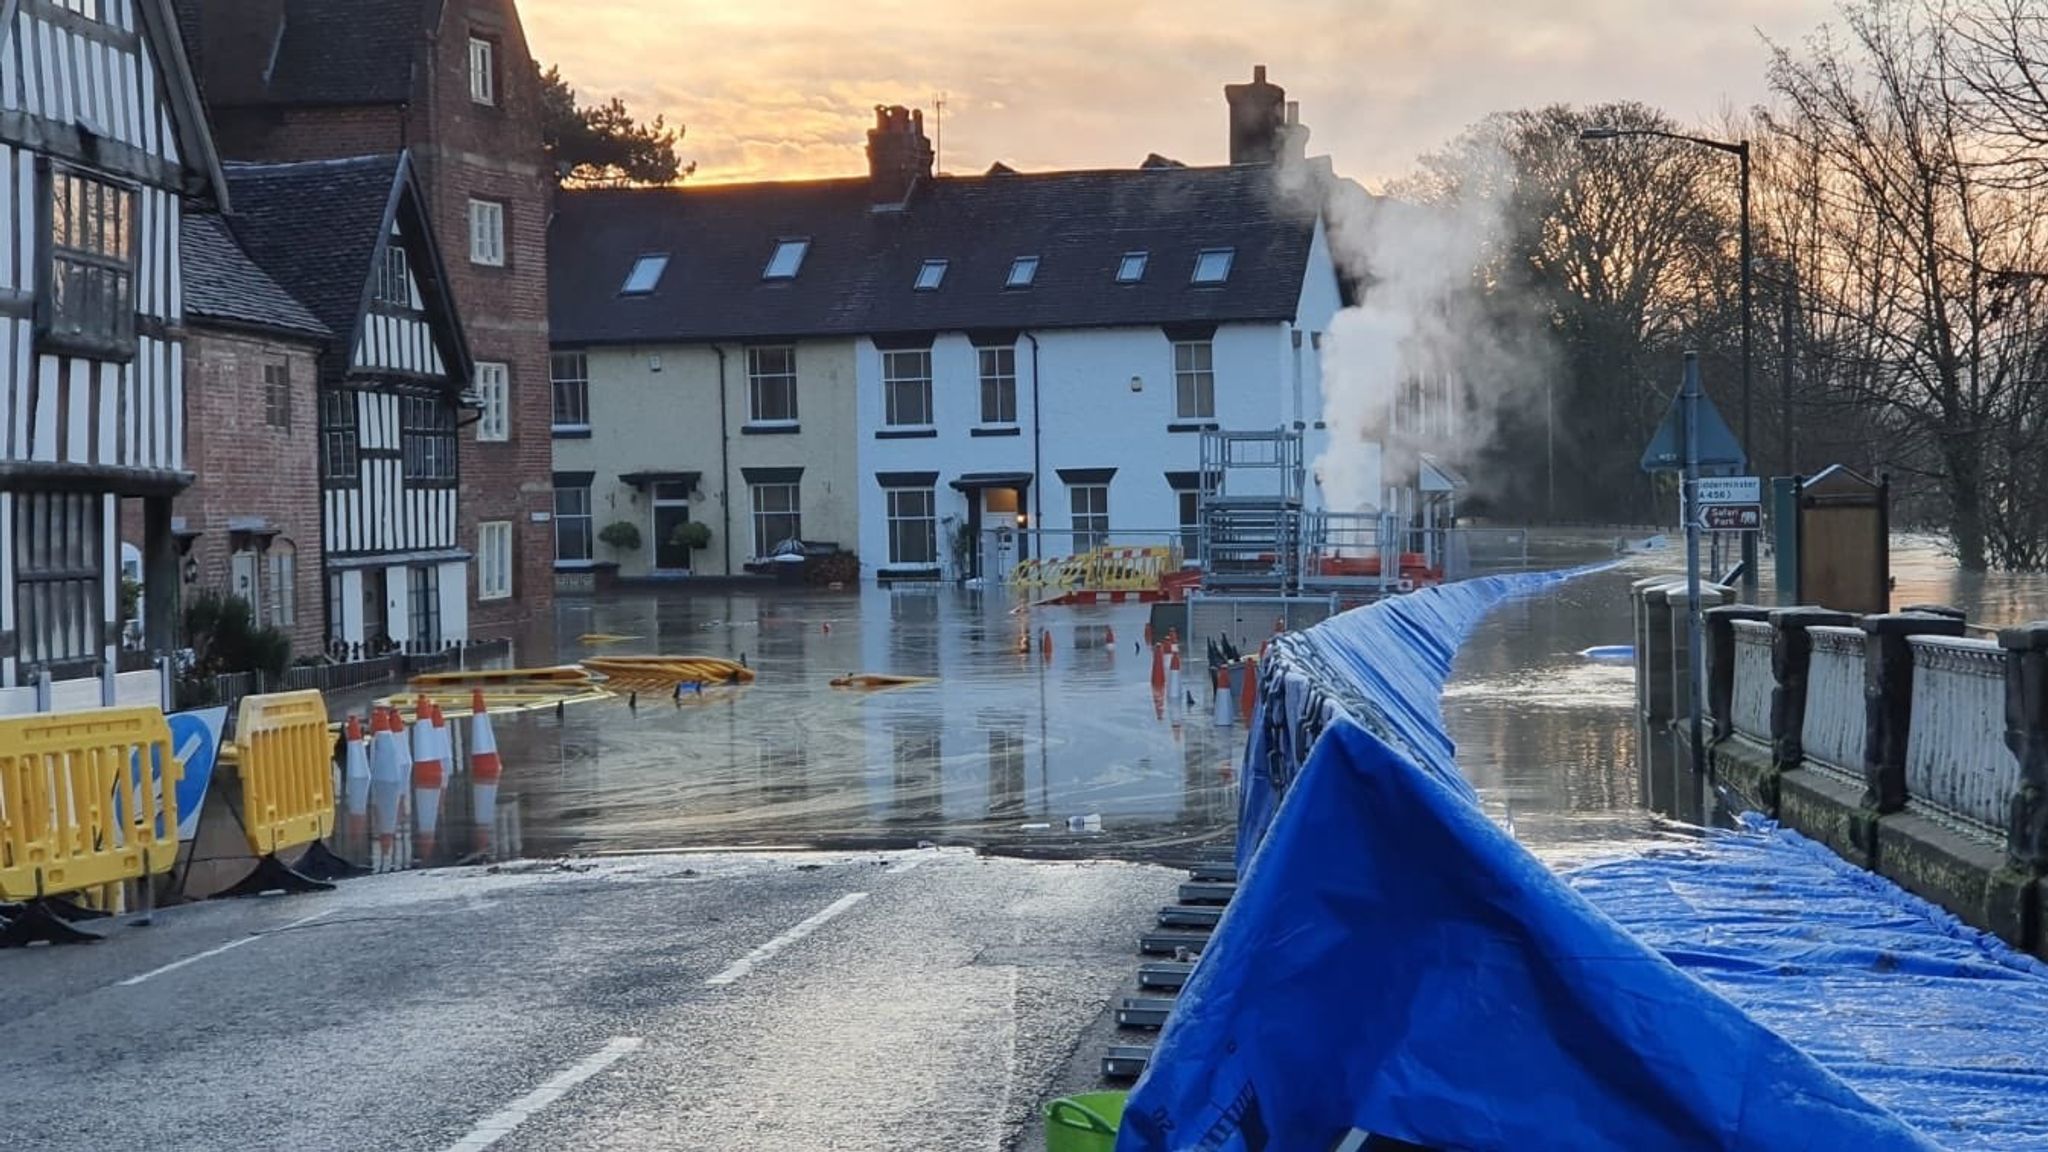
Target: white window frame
(585, 519)
(793, 489)
(487, 232)
(483, 71)
(788, 258)
(1131, 268)
(1212, 266)
(494, 388)
(280, 584)
(931, 276)
(906, 369)
(1091, 522)
(899, 521)
(1194, 376)
(1023, 272)
(998, 369)
(569, 370)
(494, 560)
(759, 381)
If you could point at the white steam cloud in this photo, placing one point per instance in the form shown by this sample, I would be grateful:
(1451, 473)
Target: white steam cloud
(1418, 366)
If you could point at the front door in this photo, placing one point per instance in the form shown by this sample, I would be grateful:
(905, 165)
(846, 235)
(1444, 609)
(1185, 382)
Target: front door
(671, 512)
(999, 543)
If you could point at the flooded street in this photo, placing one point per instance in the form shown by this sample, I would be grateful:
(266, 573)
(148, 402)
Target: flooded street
(1006, 746)
(1003, 750)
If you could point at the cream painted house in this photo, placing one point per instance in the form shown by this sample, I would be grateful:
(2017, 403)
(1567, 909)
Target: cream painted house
(748, 439)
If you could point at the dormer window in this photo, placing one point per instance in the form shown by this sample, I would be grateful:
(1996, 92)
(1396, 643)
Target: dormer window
(787, 261)
(1212, 266)
(1023, 270)
(931, 275)
(1131, 268)
(645, 275)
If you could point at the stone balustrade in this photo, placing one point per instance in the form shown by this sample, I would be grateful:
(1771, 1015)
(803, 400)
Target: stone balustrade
(1906, 747)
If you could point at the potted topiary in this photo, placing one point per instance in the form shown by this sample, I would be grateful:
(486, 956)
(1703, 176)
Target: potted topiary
(621, 535)
(691, 534)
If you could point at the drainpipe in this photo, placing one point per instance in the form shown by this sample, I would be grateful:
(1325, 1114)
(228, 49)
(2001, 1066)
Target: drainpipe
(1037, 440)
(724, 463)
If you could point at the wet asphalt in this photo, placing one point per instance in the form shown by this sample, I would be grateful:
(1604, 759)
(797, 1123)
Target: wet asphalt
(930, 999)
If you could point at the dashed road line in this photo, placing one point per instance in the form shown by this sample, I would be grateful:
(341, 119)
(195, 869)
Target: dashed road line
(765, 952)
(503, 1122)
(230, 946)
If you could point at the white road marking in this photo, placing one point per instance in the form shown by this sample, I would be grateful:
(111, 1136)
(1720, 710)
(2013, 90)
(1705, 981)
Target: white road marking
(501, 1123)
(905, 865)
(767, 951)
(230, 946)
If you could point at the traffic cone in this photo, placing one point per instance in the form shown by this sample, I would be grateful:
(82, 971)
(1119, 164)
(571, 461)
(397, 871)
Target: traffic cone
(428, 775)
(1148, 633)
(484, 771)
(1250, 703)
(1045, 643)
(387, 784)
(1109, 638)
(1159, 667)
(1224, 704)
(1173, 671)
(355, 783)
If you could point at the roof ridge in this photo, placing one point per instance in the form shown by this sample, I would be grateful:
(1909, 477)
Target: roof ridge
(328, 162)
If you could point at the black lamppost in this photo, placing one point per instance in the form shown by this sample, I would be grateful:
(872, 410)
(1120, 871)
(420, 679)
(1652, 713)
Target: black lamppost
(1740, 150)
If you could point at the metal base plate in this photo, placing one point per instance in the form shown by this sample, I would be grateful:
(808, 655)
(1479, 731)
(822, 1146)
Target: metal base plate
(1214, 873)
(1125, 1061)
(1204, 892)
(1143, 1012)
(1189, 916)
(1168, 943)
(1164, 974)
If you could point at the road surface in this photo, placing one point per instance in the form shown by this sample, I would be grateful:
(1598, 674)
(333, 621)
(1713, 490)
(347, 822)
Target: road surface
(920, 1000)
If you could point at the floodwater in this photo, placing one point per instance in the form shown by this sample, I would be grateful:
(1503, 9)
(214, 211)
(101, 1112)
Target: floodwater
(1014, 752)
(1009, 748)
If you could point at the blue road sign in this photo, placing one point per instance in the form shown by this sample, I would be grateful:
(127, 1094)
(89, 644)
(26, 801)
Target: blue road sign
(1720, 452)
(195, 741)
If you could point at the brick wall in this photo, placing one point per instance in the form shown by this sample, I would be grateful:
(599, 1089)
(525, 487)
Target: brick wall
(248, 467)
(467, 150)
(464, 149)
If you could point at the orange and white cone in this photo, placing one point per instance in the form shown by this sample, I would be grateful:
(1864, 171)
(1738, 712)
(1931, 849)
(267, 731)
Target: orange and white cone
(485, 769)
(1225, 707)
(428, 775)
(355, 782)
(387, 785)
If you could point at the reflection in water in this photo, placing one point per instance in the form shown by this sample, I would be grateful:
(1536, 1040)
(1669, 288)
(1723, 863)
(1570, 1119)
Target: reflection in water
(1009, 740)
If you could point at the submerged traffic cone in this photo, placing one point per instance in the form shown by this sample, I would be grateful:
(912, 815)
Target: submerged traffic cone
(1225, 706)
(1045, 643)
(1159, 667)
(1148, 633)
(1250, 702)
(387, 783)
(428, 775)
(484, 771)
(355, 783)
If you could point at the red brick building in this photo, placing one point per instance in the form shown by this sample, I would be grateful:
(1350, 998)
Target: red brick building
(452, 83)
(251, 525)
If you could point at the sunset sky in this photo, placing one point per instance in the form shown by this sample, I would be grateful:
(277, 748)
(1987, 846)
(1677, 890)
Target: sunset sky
(787, 88)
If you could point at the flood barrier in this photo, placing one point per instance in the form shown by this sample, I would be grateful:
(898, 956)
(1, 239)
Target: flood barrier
(284, 761)
(88, 800)
(1395, 964)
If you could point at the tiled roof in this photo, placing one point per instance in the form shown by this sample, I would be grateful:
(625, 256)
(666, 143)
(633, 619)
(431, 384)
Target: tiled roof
(860, 271)
(222, 284)
(329, 52)
(314, 226)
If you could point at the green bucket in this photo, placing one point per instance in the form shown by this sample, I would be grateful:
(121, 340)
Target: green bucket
(1084, 1123)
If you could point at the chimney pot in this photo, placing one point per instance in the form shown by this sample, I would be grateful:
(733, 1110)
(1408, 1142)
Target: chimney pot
(1258, 73)
(899, 154)
(1258, 116)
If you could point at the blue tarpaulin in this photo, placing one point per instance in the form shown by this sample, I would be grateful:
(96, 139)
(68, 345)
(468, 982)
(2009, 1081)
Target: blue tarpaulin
(1394, 963)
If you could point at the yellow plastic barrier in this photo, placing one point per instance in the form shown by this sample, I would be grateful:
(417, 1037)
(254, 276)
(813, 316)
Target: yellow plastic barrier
(284, 754)
(86, 799)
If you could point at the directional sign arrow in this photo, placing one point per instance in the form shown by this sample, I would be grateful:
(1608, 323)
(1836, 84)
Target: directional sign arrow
(1731, 517)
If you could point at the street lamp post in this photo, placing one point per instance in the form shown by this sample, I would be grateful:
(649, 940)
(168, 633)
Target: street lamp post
(1740, 150)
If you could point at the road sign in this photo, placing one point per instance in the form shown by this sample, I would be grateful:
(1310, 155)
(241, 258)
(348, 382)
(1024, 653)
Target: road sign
(1720, 451)
(1730, 490)
(1731, 517)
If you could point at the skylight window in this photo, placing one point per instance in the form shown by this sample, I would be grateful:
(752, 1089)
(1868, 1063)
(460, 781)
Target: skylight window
(645, 275)
(931, 275)
(787, 261)
(1213, 265)
(1023, 270)
(1132, 268)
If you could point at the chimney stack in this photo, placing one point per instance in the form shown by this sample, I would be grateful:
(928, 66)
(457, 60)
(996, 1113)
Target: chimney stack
(1257, 119)
(899, 154)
